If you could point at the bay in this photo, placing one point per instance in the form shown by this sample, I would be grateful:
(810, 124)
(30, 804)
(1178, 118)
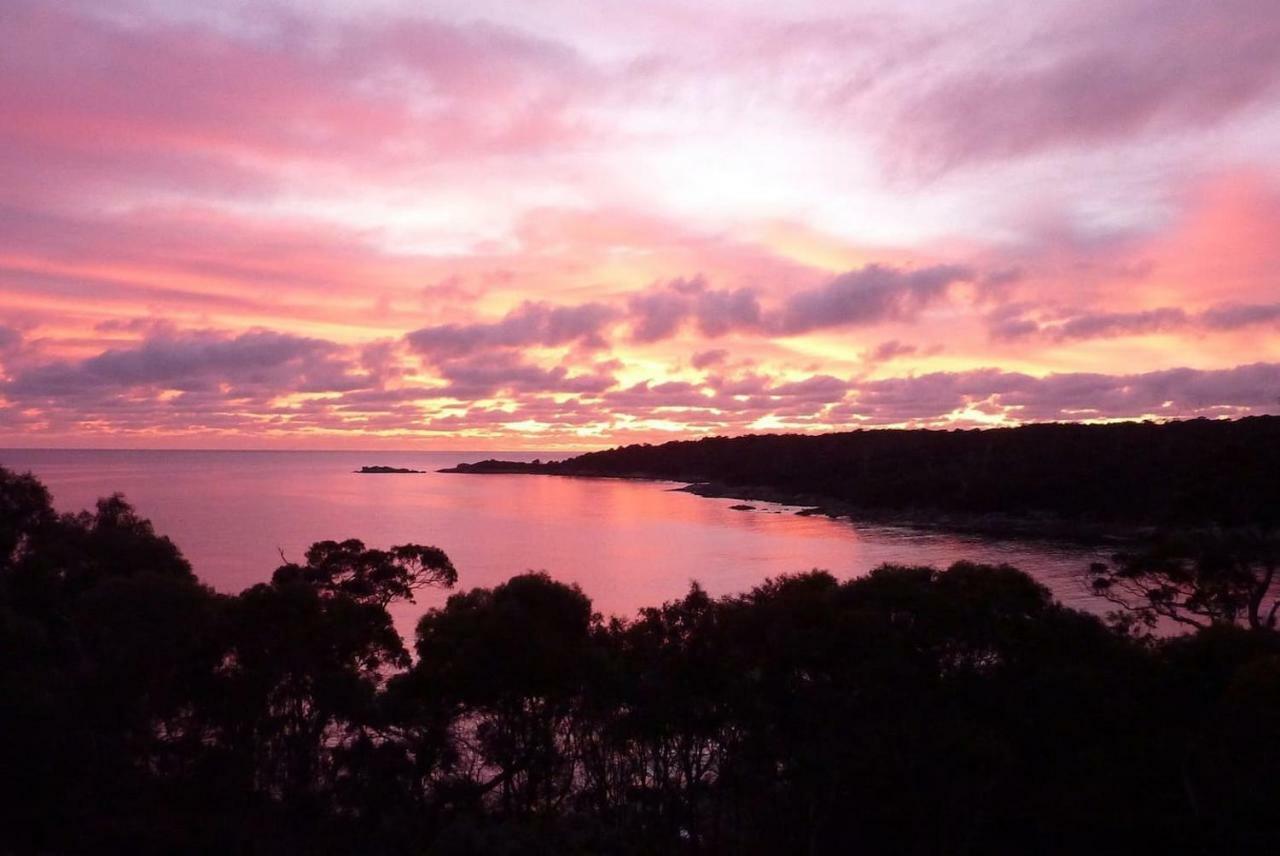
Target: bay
(628, 544)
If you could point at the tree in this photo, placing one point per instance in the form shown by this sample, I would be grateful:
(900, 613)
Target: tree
(1200, 580)
(368, 575)
(107, 642)
(512, 661)
(25, 508)
(309, 652)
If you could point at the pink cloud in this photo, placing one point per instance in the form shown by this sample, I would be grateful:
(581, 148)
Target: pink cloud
(275, 221)
(1103, 72)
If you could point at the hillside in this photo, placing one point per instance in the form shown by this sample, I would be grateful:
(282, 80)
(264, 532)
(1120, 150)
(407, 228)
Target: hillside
(1191, 472)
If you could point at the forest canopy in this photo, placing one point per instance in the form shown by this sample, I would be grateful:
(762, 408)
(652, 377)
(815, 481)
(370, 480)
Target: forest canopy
(913, 710)
(1196, 472)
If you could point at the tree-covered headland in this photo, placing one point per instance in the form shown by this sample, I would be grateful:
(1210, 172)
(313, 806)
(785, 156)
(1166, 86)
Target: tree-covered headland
(1194, 472)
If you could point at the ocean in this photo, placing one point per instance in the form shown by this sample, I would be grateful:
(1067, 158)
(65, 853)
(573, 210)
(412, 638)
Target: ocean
(628, 544)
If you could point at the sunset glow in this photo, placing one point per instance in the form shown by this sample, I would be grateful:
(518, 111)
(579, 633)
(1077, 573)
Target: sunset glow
(556, 225)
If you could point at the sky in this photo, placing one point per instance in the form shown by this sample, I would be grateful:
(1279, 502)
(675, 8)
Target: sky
(564, 225)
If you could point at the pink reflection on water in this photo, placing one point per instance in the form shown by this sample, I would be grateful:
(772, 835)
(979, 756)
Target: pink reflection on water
(628, 544)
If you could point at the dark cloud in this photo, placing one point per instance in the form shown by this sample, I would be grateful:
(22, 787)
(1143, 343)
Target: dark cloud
(1109, 324)
(720, 312)
(707, 359)
(528, 325)
(10, 338)
(1179, 392)
(487, 375)
(869, 295)
(659, 396)
(209, 382)
(996, 283)
(749, 383)
(886, 351)
(657, 314)
(743, 398)
(133, 325)
(1010, 329)
(1231, 316)
(823, 389)
(661, 311)
(258, 362)
(199, 382)
(1013, 322)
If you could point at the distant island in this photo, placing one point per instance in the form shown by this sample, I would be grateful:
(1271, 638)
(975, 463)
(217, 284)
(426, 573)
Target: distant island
(1054, 479)
(384, 470)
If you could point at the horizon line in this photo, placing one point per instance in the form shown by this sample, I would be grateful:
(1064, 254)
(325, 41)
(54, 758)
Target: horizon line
(618, 445)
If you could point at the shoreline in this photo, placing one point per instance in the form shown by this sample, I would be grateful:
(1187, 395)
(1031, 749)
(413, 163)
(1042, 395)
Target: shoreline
(1014, 527)
(1019, 527)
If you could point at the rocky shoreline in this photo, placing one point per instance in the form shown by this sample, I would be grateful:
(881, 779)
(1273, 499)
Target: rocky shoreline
(1038, 527)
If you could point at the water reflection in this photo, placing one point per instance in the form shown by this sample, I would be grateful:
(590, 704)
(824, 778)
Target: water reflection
(628, 544)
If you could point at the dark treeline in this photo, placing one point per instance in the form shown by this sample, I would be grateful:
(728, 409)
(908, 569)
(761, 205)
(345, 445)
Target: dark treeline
(910, 711)
(1198, 471)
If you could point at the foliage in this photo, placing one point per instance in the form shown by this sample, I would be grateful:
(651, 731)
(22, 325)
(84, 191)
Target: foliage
(349, 569)
(1197, 471)
(914, 710)
(1198, 579)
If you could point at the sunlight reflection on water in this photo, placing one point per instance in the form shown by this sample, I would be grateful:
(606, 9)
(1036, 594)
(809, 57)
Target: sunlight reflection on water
(627, 543)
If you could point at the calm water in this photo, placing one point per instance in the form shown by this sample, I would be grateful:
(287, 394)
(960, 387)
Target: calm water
(628, 544)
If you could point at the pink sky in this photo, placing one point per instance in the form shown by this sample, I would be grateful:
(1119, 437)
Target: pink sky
(553, 224)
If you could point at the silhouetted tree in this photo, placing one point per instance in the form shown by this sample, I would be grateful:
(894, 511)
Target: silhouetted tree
(513, 659)
(308, 653)
(368, 575)
(1197, 579)
(25, 509)
(105, 643)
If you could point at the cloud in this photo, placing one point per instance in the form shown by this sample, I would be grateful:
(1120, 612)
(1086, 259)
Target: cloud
(1010, 329)
(9, 338)
(824, 389)
(309, 169)
(1109, 324)
(256, 363)
(528, 325)
(1097, 72)
(721, 312)
(269, 383)
(126, 100)
(1233, 316)
(648, 397)
(1011, 324)
(1180, 392)
(486, 375)
(657, 314)
(707, 359)
(743, 398)
(869, 295)
(886, 351)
